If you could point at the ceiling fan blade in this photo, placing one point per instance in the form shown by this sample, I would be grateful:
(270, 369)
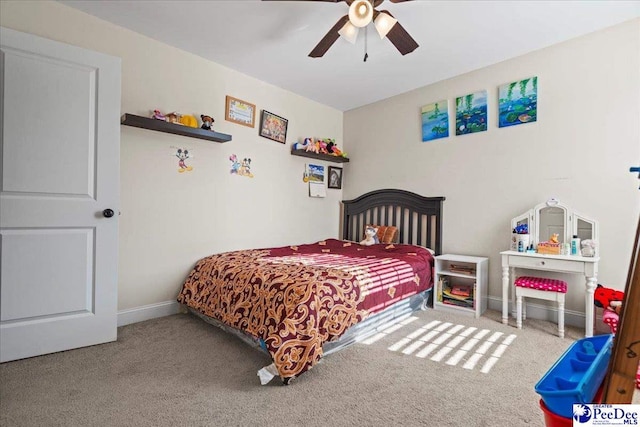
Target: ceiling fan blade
(329, 1)
(401, 38)
(398, 1)
(329, 39)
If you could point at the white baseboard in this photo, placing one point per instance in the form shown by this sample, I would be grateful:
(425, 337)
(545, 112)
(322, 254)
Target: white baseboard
(541, 312)
(147, 312)
(167, 308)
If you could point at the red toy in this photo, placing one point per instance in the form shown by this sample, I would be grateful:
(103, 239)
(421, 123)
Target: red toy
(608, 298)
(611, 301)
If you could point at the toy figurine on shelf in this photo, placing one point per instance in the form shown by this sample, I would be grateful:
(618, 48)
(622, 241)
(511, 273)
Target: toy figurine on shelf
(207, 122)
(322, 147)
(333, 149)
(303, 146)
(312, 146)
(174, 118)
(158, 115)
(188, 120)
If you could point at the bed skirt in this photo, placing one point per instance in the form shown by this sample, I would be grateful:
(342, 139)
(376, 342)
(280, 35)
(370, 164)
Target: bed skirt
(358, 332)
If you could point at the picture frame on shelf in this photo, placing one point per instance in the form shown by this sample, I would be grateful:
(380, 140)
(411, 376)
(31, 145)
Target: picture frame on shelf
(335, 178)
(273, 127)
(240, 112)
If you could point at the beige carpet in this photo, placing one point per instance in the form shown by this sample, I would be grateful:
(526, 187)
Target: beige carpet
(179, 370)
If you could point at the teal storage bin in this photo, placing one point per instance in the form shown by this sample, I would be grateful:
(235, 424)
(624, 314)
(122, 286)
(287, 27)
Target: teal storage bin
(576, 375)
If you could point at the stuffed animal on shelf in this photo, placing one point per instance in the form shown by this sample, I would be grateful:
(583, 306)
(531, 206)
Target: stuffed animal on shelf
(158, 115)
(554, 238)
(189, 120)
(370, 236)
(174, 118)
(322, 145)
(333, 149)
(313, 146)
(207, 122)
(307, 142)
(608, 298)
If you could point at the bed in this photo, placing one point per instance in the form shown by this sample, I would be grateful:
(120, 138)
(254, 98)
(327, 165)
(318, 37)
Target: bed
(299, 303)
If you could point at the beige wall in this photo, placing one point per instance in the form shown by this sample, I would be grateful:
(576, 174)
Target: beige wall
(171, 219)
(580, 150)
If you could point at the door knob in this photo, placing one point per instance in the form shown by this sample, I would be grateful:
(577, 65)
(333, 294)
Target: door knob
(108, 213)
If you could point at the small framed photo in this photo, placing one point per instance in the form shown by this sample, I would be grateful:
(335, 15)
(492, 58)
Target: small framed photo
(335, 177)
(273, 127)
(240, 112)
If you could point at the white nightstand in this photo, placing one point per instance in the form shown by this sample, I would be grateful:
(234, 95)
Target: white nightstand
(461, 284)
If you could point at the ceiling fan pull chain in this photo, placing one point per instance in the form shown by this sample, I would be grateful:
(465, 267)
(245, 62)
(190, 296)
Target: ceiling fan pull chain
(366, 55)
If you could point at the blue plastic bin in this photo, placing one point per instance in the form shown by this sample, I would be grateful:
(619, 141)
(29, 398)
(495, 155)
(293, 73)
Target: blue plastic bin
(576, 375)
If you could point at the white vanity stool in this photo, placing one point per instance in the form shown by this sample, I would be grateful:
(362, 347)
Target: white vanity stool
(541, 288)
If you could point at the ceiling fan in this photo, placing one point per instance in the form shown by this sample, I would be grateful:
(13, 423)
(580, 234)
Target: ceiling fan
(361, 14)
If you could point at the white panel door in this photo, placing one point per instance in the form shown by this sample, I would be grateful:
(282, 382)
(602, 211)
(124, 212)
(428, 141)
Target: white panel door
(59, 176)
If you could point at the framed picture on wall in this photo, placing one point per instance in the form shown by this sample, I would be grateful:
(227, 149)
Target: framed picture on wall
(335, 177)
(273, 127)
(518, 102)
(240, 112)
(471, 113)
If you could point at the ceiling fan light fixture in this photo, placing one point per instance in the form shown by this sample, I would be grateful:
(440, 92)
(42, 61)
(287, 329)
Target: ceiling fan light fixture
(361, 13)
(384, 23)
(349, 32)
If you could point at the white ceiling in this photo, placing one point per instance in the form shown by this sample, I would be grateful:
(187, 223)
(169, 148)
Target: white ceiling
(270, 40)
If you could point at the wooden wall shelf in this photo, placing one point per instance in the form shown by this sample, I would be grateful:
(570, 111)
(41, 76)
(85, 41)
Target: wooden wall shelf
(160, 126)
(319, 156)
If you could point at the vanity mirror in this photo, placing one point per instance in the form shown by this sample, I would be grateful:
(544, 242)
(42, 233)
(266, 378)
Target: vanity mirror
(551, 220)
(552, 217)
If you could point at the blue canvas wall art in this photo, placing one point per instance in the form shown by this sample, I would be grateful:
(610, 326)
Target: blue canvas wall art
(435, 121)
(518, 102)
(471, 113)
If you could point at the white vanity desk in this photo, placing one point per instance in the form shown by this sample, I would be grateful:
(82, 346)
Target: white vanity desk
(587, 266)
(544, 220)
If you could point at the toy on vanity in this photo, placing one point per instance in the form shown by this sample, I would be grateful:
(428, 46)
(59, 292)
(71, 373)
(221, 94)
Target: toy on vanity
(552, 247)
(588, 248)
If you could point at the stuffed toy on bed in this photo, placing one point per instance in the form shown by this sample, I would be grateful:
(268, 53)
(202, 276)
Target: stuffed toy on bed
(370, 236)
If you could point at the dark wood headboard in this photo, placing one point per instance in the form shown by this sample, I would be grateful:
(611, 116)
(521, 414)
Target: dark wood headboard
(418, 218)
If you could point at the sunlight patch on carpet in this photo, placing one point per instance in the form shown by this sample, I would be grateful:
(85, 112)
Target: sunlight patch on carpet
(452, 344)
(389, 328)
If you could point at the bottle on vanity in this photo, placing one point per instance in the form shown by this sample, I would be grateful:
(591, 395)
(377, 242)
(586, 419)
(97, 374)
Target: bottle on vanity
(575, 245)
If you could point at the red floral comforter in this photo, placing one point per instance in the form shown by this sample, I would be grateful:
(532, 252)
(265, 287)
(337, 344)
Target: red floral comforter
(296, 298)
